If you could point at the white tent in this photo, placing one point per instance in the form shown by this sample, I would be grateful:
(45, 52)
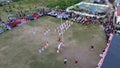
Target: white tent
(95, 0)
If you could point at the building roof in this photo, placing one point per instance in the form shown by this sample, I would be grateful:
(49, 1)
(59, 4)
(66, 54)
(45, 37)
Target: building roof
(118, 1)
(112, 59)
(118, 10)
(96, 0)
(5, 0)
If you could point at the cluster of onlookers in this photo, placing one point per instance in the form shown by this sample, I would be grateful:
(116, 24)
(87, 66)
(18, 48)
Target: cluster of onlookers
(107, 22)
(85, 19)
(15, 21)
(108, 28)
(22, 18)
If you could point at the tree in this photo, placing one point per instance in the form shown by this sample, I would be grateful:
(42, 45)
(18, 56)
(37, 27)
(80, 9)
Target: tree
(63, 4)
(111, 1)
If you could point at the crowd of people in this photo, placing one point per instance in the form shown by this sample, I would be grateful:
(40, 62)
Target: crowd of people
(107, 22)
(14, 21)
(85, 19)
(21, 17)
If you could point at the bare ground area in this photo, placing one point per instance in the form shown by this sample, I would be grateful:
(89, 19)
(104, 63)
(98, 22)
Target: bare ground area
(19, 47)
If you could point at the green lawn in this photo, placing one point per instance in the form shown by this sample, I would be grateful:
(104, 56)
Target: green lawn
(19, 48)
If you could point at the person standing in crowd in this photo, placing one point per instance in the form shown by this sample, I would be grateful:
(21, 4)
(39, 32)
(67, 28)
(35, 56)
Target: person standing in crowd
(65, 60)
(92, 47)
(0, 19)
(59, 38)
(76, 61)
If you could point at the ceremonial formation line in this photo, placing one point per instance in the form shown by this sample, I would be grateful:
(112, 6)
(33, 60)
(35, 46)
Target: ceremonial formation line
(43, 47)
(59, 47)
(64, 27)
(45, 44)
(46, 31)
(60, 30)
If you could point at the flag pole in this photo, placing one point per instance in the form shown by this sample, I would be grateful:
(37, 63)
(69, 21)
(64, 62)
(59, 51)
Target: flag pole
(62, 31)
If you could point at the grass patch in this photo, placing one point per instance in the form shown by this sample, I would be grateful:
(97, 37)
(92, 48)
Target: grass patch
(83, 33)
(43, 19)
(47, 61)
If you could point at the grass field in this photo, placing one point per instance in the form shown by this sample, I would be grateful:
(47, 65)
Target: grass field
(19, 47)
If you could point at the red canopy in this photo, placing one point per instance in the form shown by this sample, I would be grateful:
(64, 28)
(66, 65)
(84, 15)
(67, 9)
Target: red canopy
(36, 15)
(25, 18)
(17, 22)
(13, 24)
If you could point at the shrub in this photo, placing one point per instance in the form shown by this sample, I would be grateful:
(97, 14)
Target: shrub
(111, 1)
(63, 4)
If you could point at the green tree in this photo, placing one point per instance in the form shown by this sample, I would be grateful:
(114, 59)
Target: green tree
(111, 1)
(63, 4)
